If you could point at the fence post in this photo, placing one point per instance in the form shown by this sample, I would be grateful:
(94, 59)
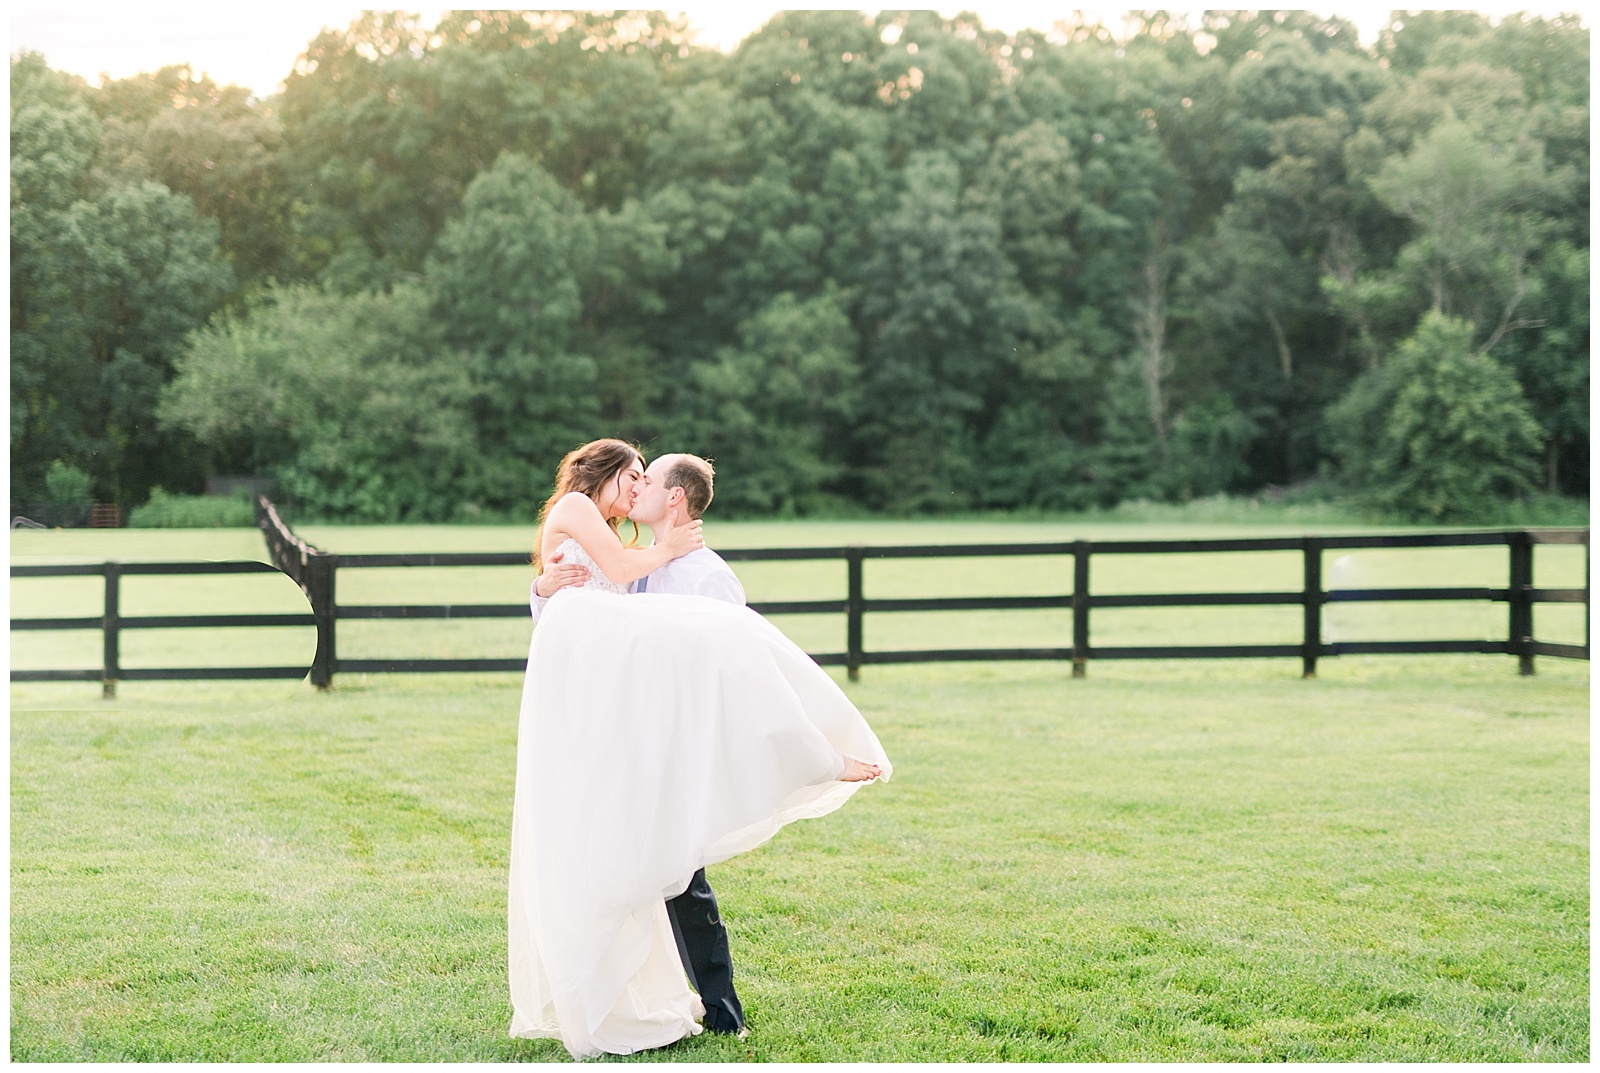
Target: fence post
(1521, 626)
(855, 608)
(1312, 644)
(320, 573)
(1080, 608)
(111, 631)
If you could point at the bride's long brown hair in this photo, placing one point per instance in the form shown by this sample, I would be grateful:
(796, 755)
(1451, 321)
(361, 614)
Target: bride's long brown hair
(586, 469)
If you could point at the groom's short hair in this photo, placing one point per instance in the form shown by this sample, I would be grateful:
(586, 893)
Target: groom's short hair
(694, 475)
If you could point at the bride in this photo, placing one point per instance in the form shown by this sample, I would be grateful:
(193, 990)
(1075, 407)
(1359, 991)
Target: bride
(659, 734)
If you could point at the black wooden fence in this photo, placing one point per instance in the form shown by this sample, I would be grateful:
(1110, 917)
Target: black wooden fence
(316, 573)
(111, 623)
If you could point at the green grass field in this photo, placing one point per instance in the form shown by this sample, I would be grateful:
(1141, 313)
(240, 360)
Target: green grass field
(1202, 861)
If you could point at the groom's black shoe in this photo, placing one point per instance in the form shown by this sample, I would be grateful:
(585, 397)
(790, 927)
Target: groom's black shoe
(703, 943)
(723, 1023)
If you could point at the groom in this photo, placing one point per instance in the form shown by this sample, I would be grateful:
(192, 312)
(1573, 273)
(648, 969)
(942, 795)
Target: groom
(675, 486)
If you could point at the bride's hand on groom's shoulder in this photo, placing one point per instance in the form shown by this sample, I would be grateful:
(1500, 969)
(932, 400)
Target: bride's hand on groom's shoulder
(682, 538)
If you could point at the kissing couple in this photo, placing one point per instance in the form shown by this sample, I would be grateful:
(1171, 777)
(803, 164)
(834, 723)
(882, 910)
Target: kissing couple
(665, 727)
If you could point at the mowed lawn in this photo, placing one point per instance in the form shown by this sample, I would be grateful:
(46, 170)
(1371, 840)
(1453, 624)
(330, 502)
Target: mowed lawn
(1166, 862)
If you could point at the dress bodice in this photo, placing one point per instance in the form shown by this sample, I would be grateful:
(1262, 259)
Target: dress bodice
(572, 552)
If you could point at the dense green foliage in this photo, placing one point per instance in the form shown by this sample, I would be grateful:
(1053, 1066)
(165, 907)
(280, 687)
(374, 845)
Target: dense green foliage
(902, 263)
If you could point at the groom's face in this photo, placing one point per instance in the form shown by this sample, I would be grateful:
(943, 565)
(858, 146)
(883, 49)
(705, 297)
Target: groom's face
(650, 506)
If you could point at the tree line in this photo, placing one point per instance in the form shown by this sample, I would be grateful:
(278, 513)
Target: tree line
(898, 262)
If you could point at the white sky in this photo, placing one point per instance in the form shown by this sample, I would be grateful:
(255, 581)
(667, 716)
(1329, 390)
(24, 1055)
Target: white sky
(256, 47)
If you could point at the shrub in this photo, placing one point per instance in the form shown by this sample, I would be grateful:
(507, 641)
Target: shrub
(1209, 441)
(1440, 432)
(165, 511)
(68, 486)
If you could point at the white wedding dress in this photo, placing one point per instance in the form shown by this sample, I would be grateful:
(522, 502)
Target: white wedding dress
(659, 734)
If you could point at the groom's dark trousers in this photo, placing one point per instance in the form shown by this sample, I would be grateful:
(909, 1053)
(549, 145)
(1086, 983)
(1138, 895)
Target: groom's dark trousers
(703, 944)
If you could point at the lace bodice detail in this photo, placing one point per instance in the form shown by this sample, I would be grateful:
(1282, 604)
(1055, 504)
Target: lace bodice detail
(572, 552)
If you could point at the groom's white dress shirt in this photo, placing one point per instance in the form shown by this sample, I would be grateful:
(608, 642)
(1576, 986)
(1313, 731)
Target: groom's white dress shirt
(702, 572)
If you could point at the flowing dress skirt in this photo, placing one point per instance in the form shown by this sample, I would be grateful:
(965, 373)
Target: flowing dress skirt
(659, 734)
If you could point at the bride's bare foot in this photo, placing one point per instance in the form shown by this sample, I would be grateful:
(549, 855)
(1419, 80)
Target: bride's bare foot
(856, 771)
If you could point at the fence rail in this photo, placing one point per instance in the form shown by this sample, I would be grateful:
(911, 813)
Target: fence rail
(316, 571)
(112, 623)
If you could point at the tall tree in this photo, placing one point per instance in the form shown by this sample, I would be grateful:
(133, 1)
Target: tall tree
(387, 122)
(771, 406)
(215, 145)
(944, 311)
(506, 278)
(342, 398)
(107, 279)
